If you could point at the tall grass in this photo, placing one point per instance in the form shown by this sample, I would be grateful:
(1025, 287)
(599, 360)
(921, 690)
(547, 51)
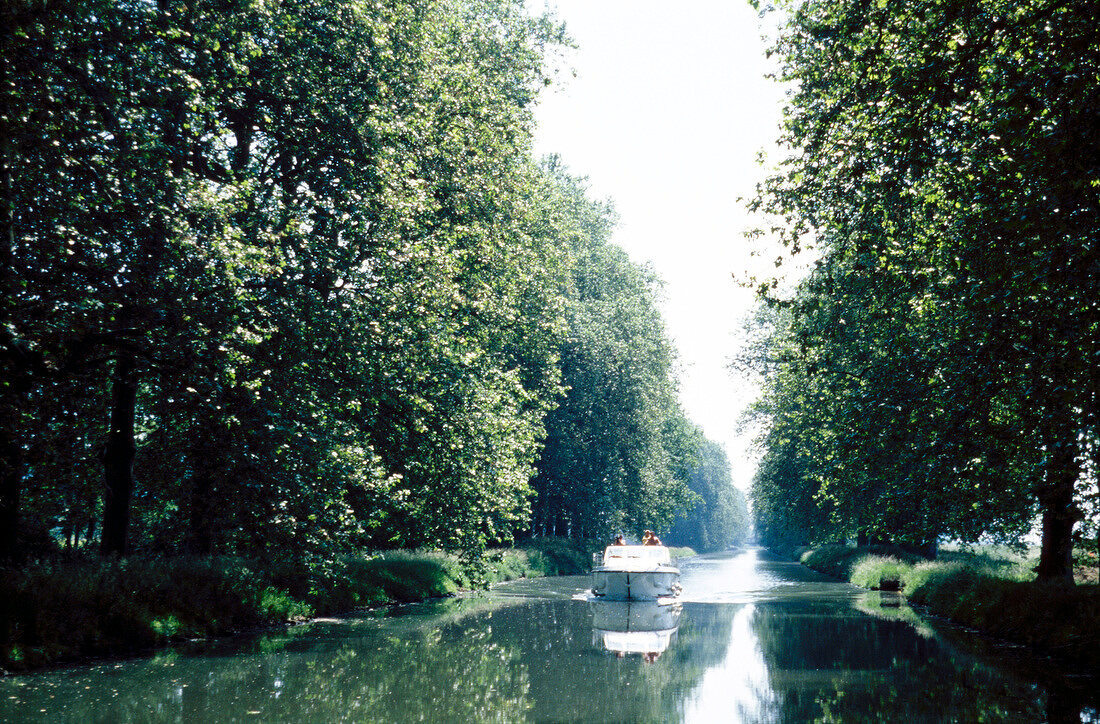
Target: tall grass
(871, 571)
(1062, 620)
(63, 611)
(681, 552)
(1017, 564)
(990, 589)
(833, 560)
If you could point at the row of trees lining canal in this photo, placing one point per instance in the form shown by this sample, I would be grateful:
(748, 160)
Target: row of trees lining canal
(285, 276)
(936, 374)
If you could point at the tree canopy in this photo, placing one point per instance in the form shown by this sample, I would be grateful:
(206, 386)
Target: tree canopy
(935, 375)
(284, 276)
(720, 519)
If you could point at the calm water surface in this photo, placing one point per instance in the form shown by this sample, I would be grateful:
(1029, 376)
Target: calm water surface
(754, 640)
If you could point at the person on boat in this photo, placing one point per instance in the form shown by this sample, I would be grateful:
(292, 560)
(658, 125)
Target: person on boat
(618, 540)
(650, 539)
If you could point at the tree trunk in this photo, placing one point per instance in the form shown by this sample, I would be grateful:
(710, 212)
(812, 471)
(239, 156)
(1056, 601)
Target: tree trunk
(1060, 515)
(14, 389)
(118, 458)
(11, 467)
(11, 481)
(200, 538)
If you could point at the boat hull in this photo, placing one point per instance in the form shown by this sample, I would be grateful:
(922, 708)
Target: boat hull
(616, 585)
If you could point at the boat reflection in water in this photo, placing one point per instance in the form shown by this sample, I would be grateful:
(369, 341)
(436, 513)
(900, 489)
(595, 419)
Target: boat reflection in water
(635, 627)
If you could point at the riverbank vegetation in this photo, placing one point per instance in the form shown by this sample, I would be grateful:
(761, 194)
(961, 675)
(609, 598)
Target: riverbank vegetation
(934, 376)
(993, 590)
(75, 609)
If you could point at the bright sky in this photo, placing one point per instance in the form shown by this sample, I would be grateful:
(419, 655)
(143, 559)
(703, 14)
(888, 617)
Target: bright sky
(666, 115)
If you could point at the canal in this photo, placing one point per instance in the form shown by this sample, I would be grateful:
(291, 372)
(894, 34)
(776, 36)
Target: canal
(754, 639)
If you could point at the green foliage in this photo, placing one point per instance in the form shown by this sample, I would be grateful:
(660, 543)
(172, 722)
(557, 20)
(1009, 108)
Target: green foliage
(537, 557)
(1010, 563)
(719, 519)
(287, 277)
(842, 561)
(834, 560)
(934, 376)
(560, 557)
(617, 450)
(410, 576)
(279, 606)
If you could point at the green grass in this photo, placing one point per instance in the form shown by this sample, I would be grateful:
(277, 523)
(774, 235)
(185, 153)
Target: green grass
(1061, 620)
(1001, 561)
(833, 560)
(61, 612)
(681, 552)
(558, 556)
(991, 589)
(870, 571)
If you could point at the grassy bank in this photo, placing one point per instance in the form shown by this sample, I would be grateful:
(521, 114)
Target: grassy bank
(65, 611)
(993, 591)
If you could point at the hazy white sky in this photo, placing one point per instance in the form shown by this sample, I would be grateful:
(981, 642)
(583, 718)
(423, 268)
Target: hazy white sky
(666, 115)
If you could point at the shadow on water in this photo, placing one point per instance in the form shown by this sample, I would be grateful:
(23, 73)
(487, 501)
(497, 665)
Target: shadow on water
(754, 639)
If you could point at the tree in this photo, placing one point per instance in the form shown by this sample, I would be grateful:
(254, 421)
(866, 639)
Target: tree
(946, 151)
(295, 241)
(615, 448)
(720, 518)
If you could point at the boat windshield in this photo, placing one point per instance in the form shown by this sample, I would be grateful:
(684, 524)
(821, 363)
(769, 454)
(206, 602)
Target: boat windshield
(658, 554)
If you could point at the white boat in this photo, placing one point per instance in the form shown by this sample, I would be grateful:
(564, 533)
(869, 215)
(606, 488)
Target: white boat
(635, 573)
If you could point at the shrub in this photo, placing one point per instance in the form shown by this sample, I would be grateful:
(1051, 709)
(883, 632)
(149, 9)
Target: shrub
(834, 560)
(560, 556)
(510, 564)
(413, 576)
(870, 571)
(681, 552)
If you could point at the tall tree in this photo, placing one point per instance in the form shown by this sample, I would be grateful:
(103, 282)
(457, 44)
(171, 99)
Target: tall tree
(943, 161)
(615, 452)
(720, 518)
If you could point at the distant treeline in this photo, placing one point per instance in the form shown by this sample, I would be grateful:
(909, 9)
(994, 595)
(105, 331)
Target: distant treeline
(284, 276)
(937, 374)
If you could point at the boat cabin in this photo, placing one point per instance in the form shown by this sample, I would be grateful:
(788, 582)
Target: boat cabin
(648, 554)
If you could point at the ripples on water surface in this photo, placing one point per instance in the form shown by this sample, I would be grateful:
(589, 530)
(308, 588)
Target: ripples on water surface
(753, 640)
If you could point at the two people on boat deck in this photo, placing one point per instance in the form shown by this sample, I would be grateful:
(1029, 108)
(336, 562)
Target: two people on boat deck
(648, 539)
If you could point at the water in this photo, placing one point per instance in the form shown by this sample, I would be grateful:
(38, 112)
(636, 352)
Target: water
(753, 640)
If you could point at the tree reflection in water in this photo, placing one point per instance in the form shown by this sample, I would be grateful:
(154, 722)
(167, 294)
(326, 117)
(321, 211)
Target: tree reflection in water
(803, 662)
